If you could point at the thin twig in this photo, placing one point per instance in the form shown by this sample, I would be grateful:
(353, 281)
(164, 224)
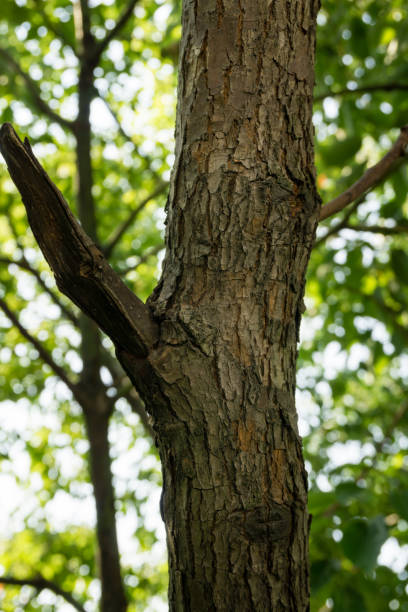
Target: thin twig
(35, 92)
(115, 117)
(44, 354)
(141, 260)
(126, 390)
(80, 270)
(40, 584)
(118, 233)
(341, 224)
(120, 24)
(392, 86)
(379, 229)
(372, 177)
(379, 449)
(25, 265)
(40, 7)
(129, 393)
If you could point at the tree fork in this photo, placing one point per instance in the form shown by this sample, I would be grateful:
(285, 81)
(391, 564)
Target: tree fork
(216, 362)
(81, 272)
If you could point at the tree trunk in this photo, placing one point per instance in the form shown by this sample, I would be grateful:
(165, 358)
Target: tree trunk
(215, 362)
(97, 415)
(242, 214)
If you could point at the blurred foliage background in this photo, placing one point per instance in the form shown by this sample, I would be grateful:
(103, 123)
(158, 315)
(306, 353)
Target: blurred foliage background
(353, 363)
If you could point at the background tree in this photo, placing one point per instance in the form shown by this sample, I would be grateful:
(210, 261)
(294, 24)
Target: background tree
(355, 282)
(48, 70)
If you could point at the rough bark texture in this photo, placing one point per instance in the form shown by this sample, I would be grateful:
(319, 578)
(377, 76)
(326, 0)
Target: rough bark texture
(216, 362)
(242, 214)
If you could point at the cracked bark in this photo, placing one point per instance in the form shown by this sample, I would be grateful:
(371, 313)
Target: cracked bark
(242, 214)
(215, 362)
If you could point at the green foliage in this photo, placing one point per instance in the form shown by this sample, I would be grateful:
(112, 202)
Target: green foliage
(353, 360)
(43, 445)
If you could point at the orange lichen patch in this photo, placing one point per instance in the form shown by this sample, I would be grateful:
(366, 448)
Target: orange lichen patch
(277, 475)
(200, 154)
(295, 207)
(256, 225)
(199, 286)
(288, 310)
(273, 297)
(246, 435)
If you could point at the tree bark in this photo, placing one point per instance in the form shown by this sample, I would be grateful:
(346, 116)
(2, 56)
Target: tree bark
(215, 357)
(242, 214)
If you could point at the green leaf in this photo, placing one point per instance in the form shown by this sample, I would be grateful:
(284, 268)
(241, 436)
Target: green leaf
(399, 262)
(341, 151)
(321, 571)
(399, 500)
(362, 541)
(348, 600)
(347, 491)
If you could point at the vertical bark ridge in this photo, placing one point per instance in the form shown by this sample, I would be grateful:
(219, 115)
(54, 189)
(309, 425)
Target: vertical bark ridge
(242, 214)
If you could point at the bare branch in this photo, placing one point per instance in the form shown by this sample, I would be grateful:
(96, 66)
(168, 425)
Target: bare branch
(372, 177)
(25, 265)
(118, 233)
(379, 229)
(40, 584)
(379, 449)
(80, 269)
(150, 253)
(341, 224)
(49, 24)
(391, 86)
(44, 354)
(120, 24)
(115, 117)
(35, 92)
(126, 389)
(82, 26)
(129, 393)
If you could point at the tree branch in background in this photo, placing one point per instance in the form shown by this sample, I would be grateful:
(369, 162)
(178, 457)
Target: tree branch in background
(115, 117)
(379, 449)
(126, 390)
(49, 24)
(153, 251)
(390, 313)
(379, 229)
(82, 25)
(25, 265)
(391, 86)
(371, 178)
(40, 584)
(35, 92)
(118, 233)
(80, 269)
(120, 24)
(341, 224)
(129, 393)
(43, 353)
